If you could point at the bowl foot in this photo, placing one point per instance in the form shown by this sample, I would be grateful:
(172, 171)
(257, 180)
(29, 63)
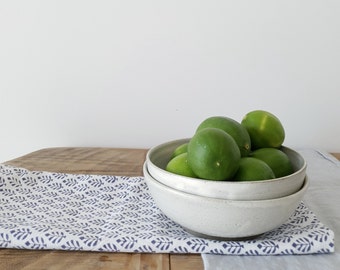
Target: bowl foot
(218, 238)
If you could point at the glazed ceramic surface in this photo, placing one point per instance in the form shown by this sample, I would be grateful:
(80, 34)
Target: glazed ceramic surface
(222, 218)
(158, 157)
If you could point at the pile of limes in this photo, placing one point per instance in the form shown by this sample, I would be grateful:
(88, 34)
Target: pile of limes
(224, 149)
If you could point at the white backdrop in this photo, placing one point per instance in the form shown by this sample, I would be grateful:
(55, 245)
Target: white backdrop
(136, 73)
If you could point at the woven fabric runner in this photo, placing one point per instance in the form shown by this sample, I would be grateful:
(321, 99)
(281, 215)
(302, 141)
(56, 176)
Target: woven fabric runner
(44, 210)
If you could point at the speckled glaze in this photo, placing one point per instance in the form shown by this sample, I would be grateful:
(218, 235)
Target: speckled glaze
(158, 156)
(222, 218)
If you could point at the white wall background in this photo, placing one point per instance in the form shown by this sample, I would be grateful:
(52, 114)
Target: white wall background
(125, 73)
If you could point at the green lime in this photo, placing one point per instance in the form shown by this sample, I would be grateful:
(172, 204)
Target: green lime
(213, 154)
(183, 148)
(277, 160)
(264, 128)
(179, 165)
(233, 128)
(253, 169)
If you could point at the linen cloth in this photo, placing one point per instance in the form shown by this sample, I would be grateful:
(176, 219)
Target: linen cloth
(323, 198)
(44, 210)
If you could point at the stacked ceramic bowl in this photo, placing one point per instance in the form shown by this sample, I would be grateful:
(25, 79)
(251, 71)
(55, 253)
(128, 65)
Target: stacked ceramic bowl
(224, 209)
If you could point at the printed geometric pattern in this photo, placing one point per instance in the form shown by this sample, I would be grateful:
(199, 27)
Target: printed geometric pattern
(44, 210)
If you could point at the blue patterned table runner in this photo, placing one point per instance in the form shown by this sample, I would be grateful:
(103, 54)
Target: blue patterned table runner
(44, 210)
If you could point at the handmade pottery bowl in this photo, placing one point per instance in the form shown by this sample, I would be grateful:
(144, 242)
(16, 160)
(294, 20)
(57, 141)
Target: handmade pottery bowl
(158, 157)
(222, 218)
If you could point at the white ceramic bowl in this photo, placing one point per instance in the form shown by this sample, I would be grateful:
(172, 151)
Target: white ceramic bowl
(220, 218)
(158, 157)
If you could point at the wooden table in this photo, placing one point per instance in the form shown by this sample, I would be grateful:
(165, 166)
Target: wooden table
(109, 161)
(103, 161)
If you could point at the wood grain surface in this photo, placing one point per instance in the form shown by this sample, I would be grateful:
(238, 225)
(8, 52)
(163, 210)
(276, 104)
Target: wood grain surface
(337, 155)
(103, 161)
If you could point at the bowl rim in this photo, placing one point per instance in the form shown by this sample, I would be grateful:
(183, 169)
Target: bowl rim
(301, 191)
(221, 182)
